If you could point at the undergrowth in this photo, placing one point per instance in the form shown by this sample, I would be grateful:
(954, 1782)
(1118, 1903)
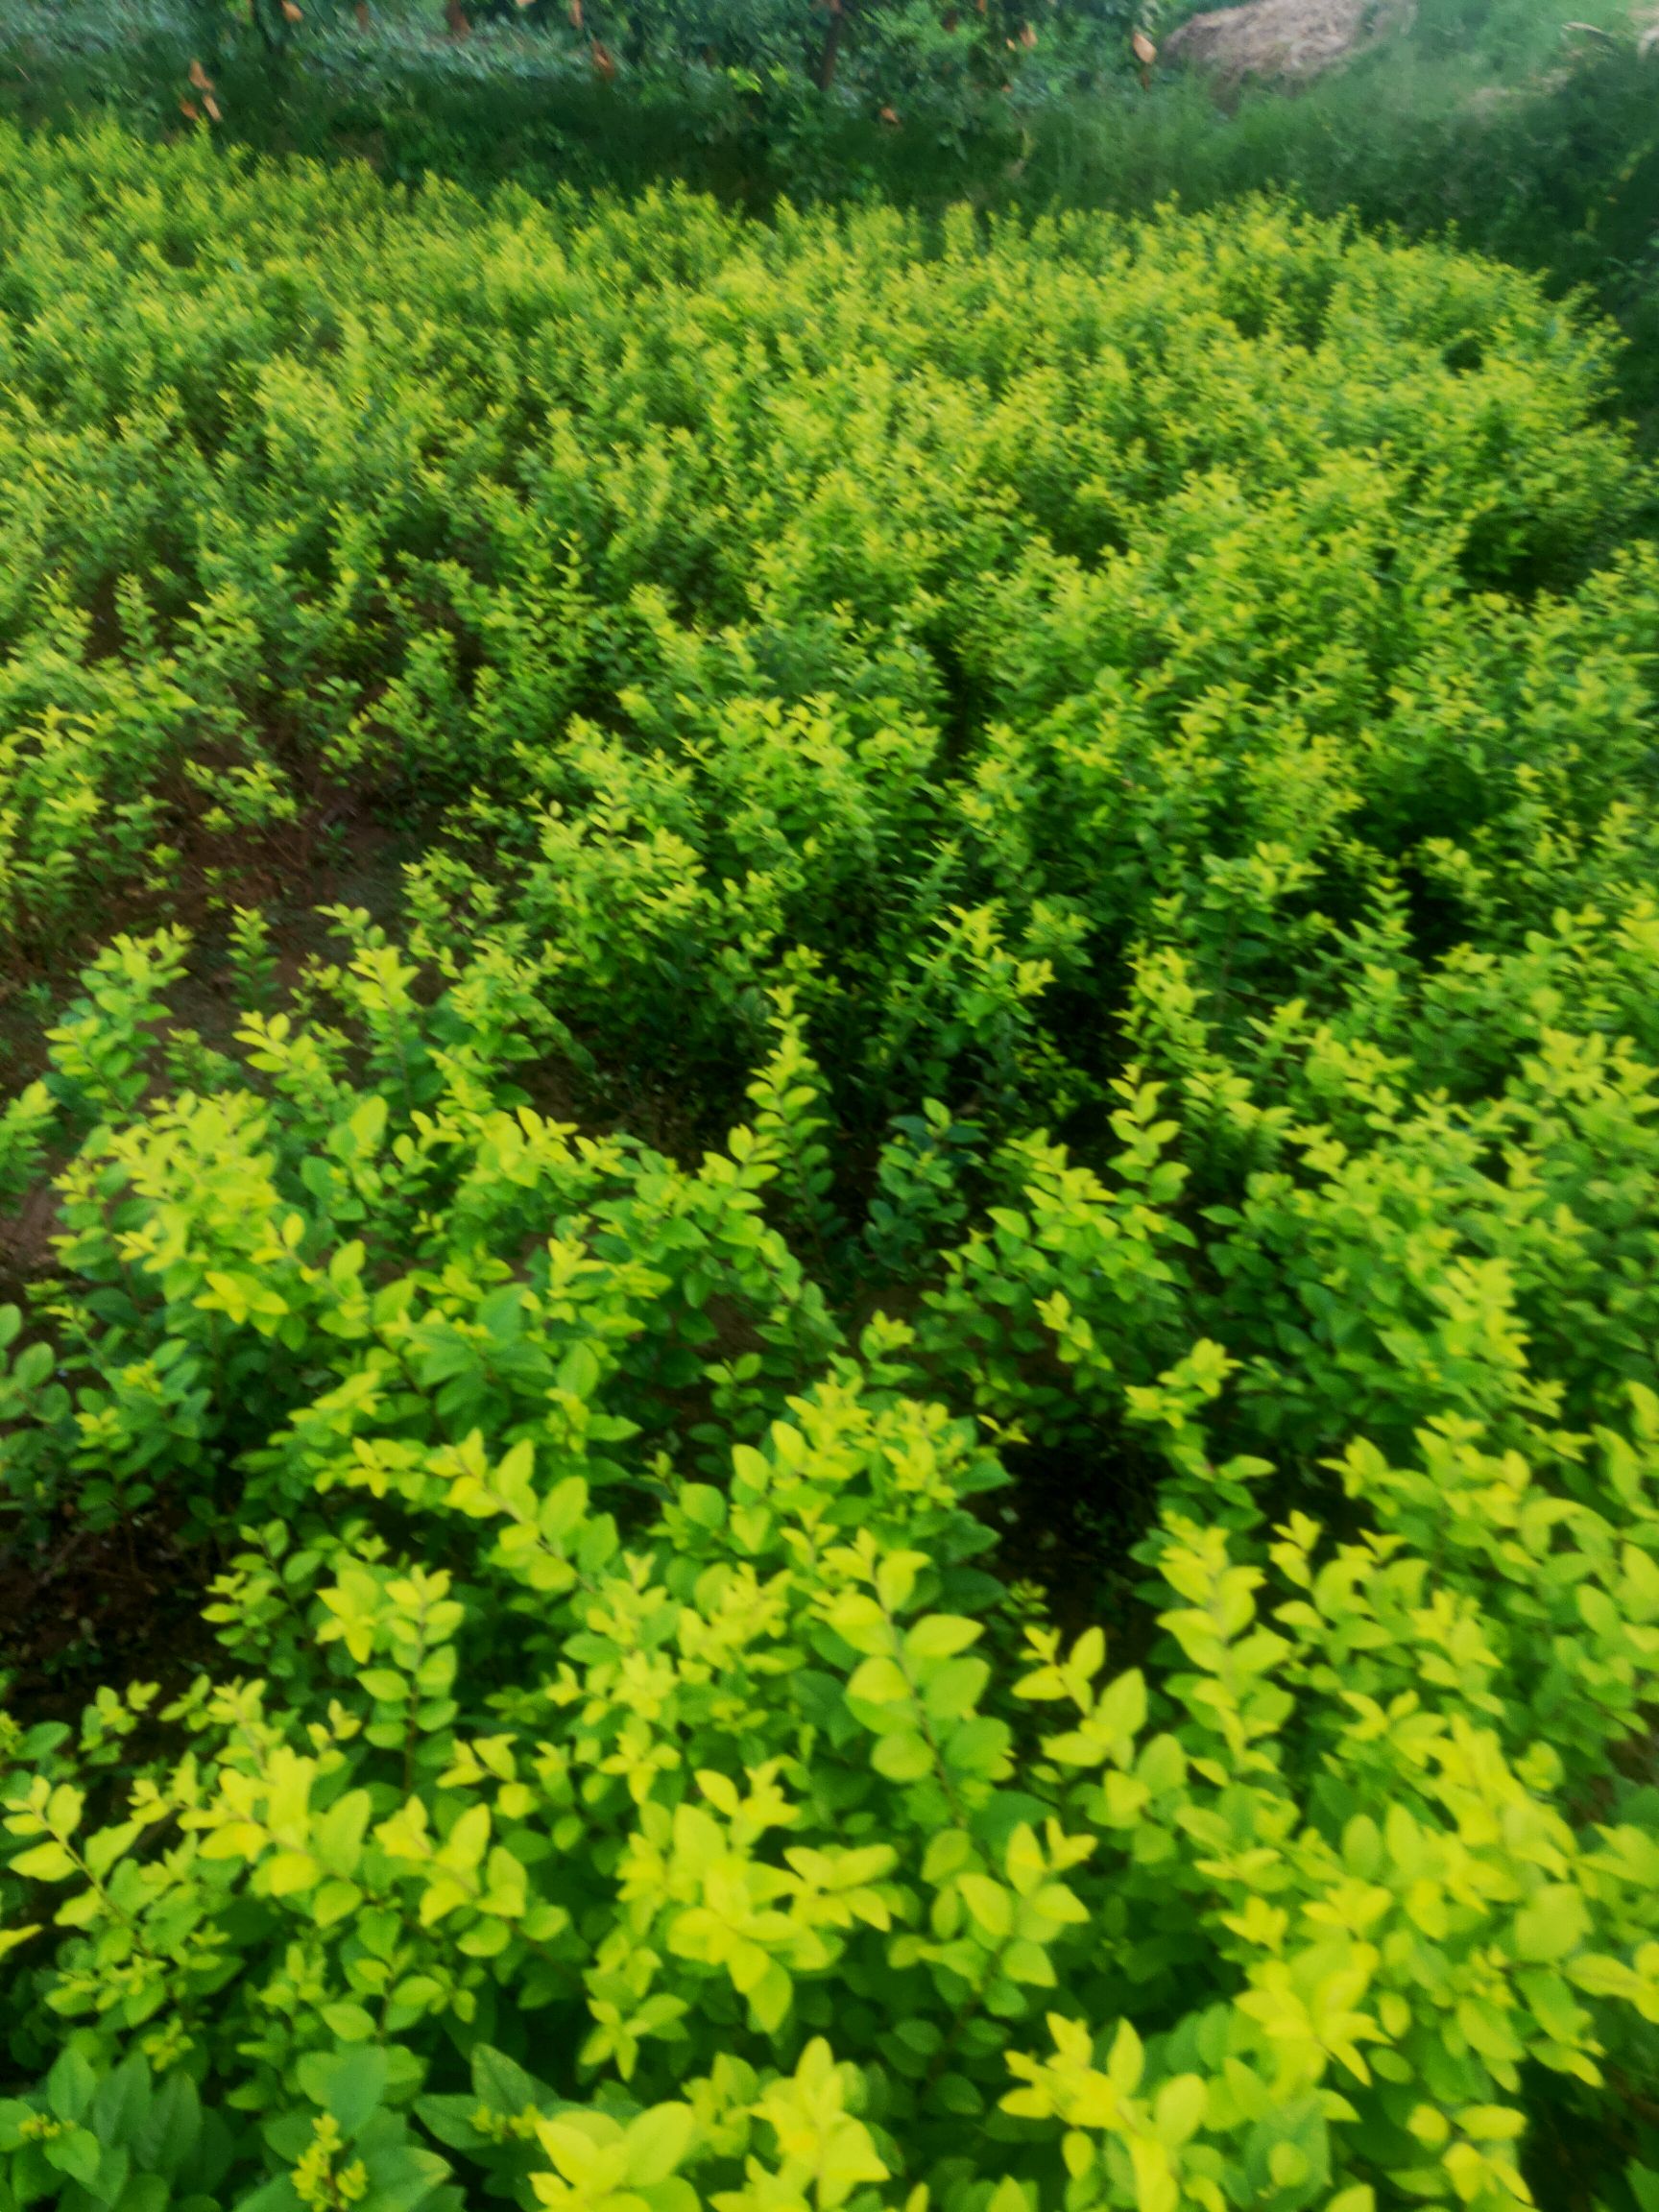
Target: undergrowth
(1525, 128)
(1036, 872)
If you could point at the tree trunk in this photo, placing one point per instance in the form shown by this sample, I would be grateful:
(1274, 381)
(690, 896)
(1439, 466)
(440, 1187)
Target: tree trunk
(826, 70)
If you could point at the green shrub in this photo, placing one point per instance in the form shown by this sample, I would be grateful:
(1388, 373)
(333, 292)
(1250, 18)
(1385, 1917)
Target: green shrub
(626, 1780)
(1528, 137)
(809, 597)
(1099, 783)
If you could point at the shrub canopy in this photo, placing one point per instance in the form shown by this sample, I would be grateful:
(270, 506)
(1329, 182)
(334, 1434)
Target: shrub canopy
(1035, 921)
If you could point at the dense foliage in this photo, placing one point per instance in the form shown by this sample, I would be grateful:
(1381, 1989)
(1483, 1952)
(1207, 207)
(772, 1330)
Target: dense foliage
(789, 72)
(1037, 910)
(1534, 136)
(795, 57)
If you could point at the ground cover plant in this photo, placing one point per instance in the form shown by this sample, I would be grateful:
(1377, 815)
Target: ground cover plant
(1523, 127)
(1033, 920)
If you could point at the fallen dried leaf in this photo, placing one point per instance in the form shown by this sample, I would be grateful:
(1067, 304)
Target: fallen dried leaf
(888, 115)
(212, 106)
(604, 62)
(1145, 52)
(1027, 38)
(199, 77)
(189, 108)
